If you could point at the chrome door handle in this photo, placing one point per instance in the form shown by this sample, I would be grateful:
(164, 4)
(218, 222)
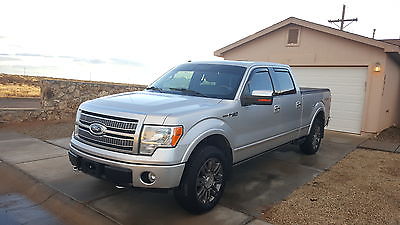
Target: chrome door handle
(277, 108)
(298, 104)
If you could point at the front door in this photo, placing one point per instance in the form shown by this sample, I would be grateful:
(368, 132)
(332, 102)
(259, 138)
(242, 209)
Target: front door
(255, 123)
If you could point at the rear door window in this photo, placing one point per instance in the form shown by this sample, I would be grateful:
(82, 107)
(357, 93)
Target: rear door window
(283, 82)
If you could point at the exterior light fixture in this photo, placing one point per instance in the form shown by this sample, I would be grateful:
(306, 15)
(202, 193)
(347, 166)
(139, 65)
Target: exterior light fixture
(377, 67)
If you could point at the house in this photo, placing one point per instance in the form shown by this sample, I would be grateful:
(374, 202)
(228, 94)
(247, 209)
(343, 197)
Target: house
(362, 73)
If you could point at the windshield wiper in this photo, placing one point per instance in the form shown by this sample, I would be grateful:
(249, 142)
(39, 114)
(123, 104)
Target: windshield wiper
(154, 89)
(188, 91)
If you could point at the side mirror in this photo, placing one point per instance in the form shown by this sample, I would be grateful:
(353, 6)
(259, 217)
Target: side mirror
(257, 97)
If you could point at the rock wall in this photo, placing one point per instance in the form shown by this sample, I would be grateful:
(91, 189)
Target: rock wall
(61, 98)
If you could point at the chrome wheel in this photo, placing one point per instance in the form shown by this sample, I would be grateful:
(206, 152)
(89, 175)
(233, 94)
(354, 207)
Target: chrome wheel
(209, 180)
(316, 139)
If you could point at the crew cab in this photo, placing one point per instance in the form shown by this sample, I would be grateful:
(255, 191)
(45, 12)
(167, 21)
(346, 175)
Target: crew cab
(187, 130)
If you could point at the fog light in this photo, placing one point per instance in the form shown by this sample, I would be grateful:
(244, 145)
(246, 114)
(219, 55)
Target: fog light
(148, 177)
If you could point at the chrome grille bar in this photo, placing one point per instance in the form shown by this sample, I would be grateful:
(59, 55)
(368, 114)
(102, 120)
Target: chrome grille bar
(118, 135)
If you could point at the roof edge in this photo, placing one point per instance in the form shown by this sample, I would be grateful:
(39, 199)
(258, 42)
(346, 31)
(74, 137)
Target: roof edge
(387, 47)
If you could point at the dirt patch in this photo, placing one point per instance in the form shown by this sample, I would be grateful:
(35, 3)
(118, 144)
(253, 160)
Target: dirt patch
(391, 135)
(363, 188)
(43, 130)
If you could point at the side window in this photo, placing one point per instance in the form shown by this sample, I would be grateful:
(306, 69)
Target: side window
(283, 82)
(259, 81)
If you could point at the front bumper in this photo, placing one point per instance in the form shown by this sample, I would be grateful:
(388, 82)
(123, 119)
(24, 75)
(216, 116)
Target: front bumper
(126, 174)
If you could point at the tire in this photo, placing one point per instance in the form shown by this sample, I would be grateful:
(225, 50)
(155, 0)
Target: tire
(313, 140)
(203, 181)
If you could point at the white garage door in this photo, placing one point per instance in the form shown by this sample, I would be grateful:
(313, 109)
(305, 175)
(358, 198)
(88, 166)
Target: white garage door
(347, 85)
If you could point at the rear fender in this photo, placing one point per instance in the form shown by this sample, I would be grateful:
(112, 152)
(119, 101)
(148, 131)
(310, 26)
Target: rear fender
(318, 107)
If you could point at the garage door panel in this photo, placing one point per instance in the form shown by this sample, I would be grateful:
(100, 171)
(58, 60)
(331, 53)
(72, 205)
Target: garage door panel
(347, 85)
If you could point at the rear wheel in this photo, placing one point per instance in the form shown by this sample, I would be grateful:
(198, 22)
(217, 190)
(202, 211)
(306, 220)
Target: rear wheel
(313, 140)
(203, 182)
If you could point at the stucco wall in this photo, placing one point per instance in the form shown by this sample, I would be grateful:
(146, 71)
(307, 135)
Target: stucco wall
(321, 49)
(61, 98)
(390, 104)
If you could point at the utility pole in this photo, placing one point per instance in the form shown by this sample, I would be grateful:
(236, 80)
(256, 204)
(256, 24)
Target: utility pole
(343, 20)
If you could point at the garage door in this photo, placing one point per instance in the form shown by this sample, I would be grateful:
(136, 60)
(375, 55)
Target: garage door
(347, 85)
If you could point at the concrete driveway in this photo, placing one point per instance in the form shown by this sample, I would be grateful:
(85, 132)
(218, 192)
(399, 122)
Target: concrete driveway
(254, 186)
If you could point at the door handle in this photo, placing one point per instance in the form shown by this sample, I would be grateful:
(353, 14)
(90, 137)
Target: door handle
(298, 104)
(277, 108)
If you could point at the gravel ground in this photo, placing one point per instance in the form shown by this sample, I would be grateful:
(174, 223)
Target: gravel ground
(363, 188)
(43, 130)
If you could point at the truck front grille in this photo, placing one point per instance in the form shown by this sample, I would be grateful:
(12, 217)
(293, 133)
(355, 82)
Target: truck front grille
(118, 134)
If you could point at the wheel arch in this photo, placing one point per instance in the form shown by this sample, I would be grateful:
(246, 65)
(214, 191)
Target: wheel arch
(214, 138)
(319, 113)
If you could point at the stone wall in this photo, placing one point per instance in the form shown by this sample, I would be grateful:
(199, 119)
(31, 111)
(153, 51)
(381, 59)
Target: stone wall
(61, 98)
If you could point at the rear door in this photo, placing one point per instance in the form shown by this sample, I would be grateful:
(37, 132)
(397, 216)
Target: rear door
(287, 104)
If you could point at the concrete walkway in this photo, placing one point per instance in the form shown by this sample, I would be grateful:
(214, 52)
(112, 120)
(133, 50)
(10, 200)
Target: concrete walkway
(20, 103)
(380, 146)
(254, 187)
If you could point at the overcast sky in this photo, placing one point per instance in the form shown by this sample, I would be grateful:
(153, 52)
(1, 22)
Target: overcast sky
(136, 41)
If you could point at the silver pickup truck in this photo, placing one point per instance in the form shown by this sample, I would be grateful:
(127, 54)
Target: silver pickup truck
(186, 130)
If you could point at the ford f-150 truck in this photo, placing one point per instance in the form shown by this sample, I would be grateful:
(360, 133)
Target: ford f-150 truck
(188, 129)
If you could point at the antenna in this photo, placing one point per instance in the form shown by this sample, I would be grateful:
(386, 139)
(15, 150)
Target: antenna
(343, 20)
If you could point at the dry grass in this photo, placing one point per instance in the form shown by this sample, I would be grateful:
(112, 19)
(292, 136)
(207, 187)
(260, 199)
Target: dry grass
(19, 90)
(19, 86)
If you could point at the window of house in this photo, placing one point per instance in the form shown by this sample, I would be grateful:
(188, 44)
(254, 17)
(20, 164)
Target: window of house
(293, 37)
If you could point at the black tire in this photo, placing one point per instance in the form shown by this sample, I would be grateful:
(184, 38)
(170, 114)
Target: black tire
(203, 181)
(313, 140)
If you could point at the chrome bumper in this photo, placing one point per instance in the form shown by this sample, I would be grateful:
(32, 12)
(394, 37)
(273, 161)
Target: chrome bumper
(167, 176)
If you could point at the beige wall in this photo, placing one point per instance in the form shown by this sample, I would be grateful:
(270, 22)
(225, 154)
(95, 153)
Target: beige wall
(322, 49)
(390, 104)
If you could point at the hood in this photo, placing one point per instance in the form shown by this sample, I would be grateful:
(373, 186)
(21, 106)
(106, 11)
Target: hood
(150, 103)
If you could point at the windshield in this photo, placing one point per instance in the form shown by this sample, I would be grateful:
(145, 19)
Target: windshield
(205, 80)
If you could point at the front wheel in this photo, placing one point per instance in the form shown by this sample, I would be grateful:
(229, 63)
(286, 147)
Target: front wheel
(313, 140)
(203, 181)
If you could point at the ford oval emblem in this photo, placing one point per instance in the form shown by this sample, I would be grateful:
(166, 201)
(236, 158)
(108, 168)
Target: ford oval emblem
(97, 129)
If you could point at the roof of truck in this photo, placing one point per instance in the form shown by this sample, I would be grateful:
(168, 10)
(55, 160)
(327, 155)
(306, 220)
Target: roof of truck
(240, 63)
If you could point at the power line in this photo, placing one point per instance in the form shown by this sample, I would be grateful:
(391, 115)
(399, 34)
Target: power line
(343, 20)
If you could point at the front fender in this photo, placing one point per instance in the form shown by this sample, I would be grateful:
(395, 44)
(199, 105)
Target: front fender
(202, 130)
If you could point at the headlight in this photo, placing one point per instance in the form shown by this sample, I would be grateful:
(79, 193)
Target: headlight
(76, 130)
(76, 127)
(154, 137)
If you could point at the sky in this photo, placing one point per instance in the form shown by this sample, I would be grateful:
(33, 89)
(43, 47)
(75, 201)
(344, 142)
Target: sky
(137, 41)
